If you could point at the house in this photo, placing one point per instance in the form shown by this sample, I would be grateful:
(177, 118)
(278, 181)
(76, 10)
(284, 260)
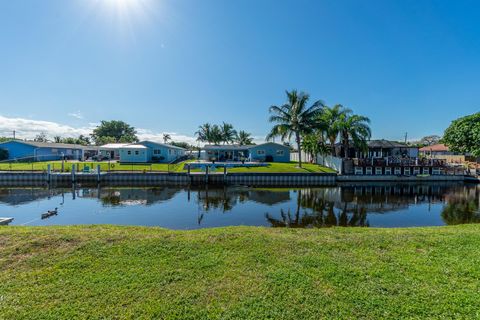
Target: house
(436, 150)
(265, 152)
(42, 151)
(149, 151)
(441, 151)
(380, 149)
(111, 150)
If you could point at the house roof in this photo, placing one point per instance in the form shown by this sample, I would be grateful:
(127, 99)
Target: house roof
(162, 145)
(227, 147)
(47, 144)
(382, 143)
(238, 147)
(114, 145)
(435, 147)
(133, 146)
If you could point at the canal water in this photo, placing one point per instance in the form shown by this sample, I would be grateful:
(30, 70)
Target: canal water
(361, 205)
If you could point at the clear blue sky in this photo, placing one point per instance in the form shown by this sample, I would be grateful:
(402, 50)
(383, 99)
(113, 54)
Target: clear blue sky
(170, 65)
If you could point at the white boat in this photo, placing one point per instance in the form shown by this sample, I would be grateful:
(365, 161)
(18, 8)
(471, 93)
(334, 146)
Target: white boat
(5, 221)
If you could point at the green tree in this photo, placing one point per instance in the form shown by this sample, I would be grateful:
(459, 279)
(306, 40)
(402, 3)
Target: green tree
(41, 137)
(429, 140)
(314, 144)
(463, 135)
(294, 119)
(227, 132)
(333, 119)
(57, 139)
(118, 131)
(243, 138)
(355, 128)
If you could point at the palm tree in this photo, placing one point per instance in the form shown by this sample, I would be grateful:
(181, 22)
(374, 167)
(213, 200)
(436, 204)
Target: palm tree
(166, 138)
(228, 133)
(204, 133)
(216, 135)
(57, 139)
(333, 117)
(356, 128)
(294, 118)
(243, 138)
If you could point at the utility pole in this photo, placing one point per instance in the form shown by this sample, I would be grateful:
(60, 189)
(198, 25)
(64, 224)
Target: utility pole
(406, 135)
(13, 134)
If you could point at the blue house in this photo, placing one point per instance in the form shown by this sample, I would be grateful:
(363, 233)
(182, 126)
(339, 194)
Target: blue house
(41, 151)
(265, 152)
(149, 151)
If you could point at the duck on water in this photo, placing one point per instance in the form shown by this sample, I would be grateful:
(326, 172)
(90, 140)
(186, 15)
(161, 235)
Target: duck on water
(50, 213)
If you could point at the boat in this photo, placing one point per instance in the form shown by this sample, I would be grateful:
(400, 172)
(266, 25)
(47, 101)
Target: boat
(5, 221)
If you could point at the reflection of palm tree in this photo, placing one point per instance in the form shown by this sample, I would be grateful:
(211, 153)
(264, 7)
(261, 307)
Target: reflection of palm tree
(322, 215)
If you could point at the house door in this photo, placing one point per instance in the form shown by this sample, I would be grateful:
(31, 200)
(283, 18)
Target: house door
(228, 155)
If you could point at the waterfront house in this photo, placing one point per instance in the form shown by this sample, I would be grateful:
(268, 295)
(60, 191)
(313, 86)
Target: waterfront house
(441, 151)
(380, 149)
(149, 151)
(42, 151)
(265, 152)
(111, 150)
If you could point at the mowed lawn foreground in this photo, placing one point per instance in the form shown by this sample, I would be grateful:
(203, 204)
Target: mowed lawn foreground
(239, 273)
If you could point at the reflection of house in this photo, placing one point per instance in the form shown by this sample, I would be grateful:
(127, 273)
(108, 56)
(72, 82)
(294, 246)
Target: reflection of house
(269, 197)
(18, 196)
(149, 151)
(41, 151)
(269, 152)
(381, 149)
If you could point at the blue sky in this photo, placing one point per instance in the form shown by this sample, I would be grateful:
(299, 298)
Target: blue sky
(171, 65)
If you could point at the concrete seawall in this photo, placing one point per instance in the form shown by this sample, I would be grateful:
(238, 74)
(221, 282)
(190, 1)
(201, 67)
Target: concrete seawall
(160, 178)
(183, 179)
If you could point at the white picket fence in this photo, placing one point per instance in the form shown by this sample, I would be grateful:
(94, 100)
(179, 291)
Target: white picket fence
(327, 160)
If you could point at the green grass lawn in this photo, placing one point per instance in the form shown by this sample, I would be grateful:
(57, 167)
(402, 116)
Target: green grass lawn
(239, 273)
(113, 166)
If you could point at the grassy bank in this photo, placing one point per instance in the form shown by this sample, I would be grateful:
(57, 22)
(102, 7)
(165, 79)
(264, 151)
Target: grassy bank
(241, 273)
(161, 167)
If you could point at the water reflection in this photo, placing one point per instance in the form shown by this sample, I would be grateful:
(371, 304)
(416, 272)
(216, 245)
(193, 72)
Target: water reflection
(384, 205)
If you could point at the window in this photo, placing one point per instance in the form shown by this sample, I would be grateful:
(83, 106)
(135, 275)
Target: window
(136, 152)
(54, 150)
(260, 152)
(129, 152)
(169, 151)
(279, 152)
(157, 151)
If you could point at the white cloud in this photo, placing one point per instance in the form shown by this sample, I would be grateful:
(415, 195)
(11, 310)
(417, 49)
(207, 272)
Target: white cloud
(145, 134)
(77, 115)
(28, 129)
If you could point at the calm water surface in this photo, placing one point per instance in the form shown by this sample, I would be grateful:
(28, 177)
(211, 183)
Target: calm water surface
(380, 205)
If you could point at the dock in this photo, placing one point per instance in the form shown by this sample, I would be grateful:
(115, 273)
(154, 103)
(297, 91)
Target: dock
(5, 221)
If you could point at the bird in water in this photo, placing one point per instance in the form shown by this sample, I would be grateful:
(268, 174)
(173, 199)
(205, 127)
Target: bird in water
(50, 213)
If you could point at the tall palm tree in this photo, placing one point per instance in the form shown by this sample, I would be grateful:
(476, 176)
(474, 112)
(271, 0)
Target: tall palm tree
(294, 119)
(166, 138)
(355, 128)
(243, 138)
(204, 133)
(228, 133)
(333, 118)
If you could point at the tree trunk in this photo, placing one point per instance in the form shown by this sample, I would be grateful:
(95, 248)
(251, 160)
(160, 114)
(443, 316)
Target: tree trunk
(297, 137)
(345, 146)
(332, 146)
